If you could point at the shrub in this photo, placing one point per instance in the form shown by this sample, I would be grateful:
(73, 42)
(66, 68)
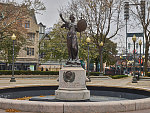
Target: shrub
(93, 73)
(23, 72)
(148, 74)
(118, 76)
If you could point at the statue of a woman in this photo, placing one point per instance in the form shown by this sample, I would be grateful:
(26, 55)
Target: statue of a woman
(72, 43)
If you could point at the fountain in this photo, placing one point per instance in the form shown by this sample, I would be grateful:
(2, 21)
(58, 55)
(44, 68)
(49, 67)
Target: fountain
(102, 99)
(72, 94)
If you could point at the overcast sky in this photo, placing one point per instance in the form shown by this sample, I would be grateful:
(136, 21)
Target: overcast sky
(51, 15)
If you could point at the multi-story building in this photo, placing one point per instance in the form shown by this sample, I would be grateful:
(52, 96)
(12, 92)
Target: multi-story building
(27, 57)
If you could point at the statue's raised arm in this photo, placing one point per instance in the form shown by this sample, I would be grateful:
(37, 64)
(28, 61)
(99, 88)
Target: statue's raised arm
(62, 18)
(66, 25)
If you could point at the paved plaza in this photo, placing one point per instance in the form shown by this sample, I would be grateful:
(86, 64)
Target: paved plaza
(124, 82)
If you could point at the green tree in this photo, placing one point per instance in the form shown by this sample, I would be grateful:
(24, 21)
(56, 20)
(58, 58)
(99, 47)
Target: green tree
(110, 52)
(7, 46)
(55, 47)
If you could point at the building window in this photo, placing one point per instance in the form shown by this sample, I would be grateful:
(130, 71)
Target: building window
(30, 51)
(42, 30)
(27, 24)
(27, 51)
(31, 36)
(20, 23)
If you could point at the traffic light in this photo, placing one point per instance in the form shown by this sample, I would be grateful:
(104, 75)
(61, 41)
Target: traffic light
(126, 10)
(142, 10)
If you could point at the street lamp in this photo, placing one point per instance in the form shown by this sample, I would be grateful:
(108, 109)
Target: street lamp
(101, 63)
(120, 64)
(13, 37)
(140, 43)
(88, 41)
(143, 57)
(134, 80)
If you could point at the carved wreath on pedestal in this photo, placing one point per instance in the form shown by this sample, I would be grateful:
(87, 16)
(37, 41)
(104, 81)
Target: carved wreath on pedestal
(68, 76)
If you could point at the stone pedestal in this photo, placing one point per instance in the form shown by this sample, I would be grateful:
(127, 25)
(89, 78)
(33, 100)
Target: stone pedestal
(72, 84)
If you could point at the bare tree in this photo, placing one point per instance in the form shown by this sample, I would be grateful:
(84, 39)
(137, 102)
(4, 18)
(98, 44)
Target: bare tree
(12, 14)
(142, 14)
(103, 18)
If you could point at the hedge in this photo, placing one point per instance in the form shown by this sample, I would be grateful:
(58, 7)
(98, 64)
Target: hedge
(148, 74)
(118, 76)
(22, 72)
(93, 73)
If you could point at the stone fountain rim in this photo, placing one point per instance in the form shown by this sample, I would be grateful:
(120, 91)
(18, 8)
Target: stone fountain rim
(64, 107)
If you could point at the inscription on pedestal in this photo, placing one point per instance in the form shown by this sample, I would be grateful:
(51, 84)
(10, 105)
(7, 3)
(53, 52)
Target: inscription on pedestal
(68, 76)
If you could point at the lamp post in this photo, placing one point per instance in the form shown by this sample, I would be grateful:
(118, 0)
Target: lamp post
(134, 80)
(143, 57)
(120, 64)
(88, 41)
(140, 43)
(13, 37)
(101, 63)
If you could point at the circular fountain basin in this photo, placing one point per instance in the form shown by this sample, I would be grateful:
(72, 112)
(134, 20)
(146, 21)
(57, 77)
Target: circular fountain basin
(103, 99)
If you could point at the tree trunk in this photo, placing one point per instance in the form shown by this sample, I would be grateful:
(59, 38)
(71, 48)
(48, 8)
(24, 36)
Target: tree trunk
(100, 54)
(96, 62)
(97, 70)
(146, 56)
(6, 66)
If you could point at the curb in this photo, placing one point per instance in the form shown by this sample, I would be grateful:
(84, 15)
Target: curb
(76, 107)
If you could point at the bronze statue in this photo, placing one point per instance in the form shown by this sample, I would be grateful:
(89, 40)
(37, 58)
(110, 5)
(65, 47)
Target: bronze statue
(72, 43)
